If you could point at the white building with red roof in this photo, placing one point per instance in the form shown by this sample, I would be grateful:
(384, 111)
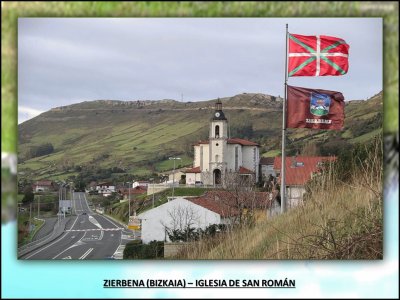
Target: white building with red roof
(298, 171)
(221, 154)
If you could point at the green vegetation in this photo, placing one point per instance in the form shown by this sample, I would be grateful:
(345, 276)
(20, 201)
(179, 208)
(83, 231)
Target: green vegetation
(140, 141)
(24, 235)
(11, 11)
(272, 153)
(137, 250)
(341, 218)
(141, 203)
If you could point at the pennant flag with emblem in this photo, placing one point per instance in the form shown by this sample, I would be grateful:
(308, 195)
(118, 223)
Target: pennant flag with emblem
(313, 108)
(318, 55)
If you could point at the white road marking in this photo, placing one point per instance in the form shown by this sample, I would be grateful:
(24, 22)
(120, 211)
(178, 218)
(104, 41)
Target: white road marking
(95, 222)
(95, 229)
(67, 257)
(86, 253)
(53, 242)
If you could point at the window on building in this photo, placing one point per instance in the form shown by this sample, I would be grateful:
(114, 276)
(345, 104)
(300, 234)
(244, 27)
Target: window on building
(217, 131)
(201, 157)
(216, 158)
(236, 158)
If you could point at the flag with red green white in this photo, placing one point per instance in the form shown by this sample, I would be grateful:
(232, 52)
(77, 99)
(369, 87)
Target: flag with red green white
(317, 55)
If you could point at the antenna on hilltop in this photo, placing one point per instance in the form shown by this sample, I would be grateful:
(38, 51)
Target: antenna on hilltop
(182, 97)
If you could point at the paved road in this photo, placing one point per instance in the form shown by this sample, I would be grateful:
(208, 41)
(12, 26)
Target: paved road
(87, 235)
(46, 229)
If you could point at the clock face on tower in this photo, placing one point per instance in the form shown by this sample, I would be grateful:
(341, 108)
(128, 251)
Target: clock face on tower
(217, 114)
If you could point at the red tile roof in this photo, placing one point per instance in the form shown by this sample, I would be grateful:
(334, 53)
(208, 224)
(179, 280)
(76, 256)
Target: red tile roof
(242, 142)
(299, 169)
(243, 170)
(193, 170)
(201, 143)
(225, 203)
(133, 191)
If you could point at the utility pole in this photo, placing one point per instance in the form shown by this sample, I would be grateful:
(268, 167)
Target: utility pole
(30, 217)
(173, 176)
(152, 179)
(129, 202)
(38, 208)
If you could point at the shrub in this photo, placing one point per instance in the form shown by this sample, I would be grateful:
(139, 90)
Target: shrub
(137, 250)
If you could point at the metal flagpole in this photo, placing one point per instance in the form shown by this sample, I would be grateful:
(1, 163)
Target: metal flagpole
(283, 182)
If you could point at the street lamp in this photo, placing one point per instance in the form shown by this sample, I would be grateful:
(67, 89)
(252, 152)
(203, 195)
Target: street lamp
(129, 202)
(173, 176)
(152, 180)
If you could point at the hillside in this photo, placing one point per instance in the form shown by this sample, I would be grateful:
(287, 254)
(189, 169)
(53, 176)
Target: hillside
(139, 136)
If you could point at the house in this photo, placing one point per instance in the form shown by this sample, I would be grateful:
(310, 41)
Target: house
(267, 167)
(214, 207)
(43, 186)
(105, 188)
(226, 203)
(298, 171)
(132, 192)
(221, 154)
(142, 184)
(180, 213)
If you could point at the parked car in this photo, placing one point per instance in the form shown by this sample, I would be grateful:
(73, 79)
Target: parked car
(198, 183)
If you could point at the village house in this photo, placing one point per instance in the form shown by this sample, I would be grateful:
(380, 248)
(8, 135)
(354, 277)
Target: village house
(221, 154)
(43, 186)
(125, 193)
(105, 188)
(298, 171)
(214, 207)
(177, 214)
(267, 167)
(141, 184)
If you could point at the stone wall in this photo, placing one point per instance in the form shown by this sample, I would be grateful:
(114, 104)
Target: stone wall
(171, 249)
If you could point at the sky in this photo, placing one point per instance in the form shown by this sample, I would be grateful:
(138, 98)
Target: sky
(62, 61)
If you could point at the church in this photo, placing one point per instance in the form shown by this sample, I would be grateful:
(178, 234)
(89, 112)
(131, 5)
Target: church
(214, 158)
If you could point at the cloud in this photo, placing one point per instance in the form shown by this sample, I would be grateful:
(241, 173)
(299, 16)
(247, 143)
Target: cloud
(25, 113)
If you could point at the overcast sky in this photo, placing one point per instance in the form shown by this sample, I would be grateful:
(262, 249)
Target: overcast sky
(62, 61)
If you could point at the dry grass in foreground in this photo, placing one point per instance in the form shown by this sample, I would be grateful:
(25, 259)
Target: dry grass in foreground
(341, 218)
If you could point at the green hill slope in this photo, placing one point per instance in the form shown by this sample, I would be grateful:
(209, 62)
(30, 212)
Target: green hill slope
(139, 136)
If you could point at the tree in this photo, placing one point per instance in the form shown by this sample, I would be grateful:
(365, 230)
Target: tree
(183, 223)
(28, 195)
(239, 197)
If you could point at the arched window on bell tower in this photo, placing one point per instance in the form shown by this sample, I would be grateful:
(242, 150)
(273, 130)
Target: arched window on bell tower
(217, 131)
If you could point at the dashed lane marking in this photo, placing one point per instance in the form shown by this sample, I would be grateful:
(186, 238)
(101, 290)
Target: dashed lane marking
(96, 229)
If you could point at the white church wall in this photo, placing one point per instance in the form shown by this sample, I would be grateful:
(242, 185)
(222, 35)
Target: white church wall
(248, 161)
(196, 160)
(191, 178)
(206, 158)
(231, 157)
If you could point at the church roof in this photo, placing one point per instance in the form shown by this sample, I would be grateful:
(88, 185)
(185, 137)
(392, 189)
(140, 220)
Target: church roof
(193, 170)
(243, 170)
(242, 142)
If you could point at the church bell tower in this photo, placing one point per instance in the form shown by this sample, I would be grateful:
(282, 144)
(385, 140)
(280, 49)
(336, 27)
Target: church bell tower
(218, 143)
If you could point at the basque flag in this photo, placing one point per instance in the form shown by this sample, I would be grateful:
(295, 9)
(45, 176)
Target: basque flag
(317, 55)
(313, 108)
